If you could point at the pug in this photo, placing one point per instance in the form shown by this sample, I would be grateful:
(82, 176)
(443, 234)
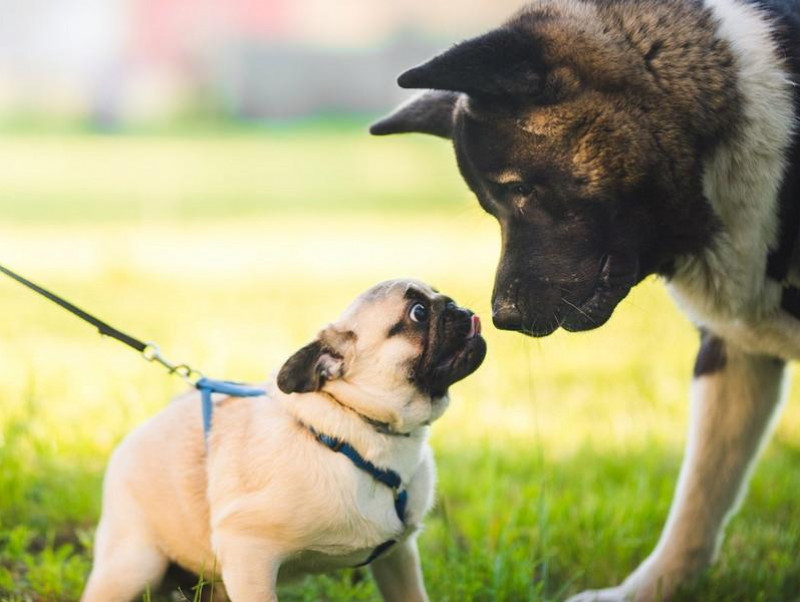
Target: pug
(331, 468)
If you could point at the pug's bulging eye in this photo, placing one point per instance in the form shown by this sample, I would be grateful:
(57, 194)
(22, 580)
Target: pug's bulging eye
(418, 313)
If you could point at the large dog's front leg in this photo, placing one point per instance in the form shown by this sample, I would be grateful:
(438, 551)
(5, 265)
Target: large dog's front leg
(734, 398)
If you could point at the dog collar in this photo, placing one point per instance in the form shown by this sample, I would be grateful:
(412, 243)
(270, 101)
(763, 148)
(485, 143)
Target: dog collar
(384, 428)
(384, 476)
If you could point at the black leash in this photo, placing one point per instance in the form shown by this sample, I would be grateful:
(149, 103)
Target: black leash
(149, 351)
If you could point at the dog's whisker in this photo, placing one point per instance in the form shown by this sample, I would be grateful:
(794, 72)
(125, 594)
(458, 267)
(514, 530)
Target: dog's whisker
(579, 310)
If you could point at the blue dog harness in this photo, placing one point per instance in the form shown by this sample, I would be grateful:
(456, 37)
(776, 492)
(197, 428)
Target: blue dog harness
(207, 386)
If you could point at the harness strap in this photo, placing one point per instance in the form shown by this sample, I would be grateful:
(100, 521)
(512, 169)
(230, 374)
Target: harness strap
(377, 552)
(384, 428)
(207, 386)
(385, 476)
(400, 503)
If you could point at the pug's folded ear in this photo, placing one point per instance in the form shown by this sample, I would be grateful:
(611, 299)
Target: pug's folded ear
(315, 364)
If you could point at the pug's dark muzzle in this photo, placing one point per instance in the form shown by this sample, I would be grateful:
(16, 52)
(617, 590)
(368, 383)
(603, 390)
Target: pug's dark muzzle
(454, 350)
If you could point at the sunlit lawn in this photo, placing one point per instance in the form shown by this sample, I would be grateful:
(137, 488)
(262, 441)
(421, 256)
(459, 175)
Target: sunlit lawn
(557, 459)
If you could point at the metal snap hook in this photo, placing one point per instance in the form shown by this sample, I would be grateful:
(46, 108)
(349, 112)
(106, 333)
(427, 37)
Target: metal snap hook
(152, 353)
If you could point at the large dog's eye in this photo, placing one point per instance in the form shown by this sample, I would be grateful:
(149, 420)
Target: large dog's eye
(519, 189)
(418, 313)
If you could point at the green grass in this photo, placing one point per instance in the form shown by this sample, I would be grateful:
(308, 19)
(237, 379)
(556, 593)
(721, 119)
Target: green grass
(557, 459)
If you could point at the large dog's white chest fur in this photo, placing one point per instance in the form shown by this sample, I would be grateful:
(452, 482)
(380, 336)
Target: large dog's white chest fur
(726, 288)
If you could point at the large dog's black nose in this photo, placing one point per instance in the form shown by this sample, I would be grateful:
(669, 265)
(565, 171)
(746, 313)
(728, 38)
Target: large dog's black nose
(507, 317)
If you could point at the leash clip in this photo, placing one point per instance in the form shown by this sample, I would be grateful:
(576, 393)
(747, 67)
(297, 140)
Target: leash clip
(152, 353)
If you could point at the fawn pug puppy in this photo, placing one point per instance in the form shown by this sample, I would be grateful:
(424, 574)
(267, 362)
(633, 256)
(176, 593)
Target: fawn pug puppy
(332, 469)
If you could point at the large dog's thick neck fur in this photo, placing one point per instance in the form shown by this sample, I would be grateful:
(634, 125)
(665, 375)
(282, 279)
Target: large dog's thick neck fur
(742, 179)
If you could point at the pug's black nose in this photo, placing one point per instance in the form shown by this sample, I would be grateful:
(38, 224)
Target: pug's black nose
(507, 317)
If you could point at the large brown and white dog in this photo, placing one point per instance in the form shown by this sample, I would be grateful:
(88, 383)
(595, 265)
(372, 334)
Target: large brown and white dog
(613, 139)
(332, 469)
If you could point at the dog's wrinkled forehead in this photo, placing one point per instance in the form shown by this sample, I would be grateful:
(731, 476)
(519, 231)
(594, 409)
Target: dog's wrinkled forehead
(374, 312)
(389, 294)
(582, 147)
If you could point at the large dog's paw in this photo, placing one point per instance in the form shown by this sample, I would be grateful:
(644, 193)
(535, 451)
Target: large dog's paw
(612, 594)
(642, 586)
(657, 579)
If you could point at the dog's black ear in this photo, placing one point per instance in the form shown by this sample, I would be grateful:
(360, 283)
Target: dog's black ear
(430, 112)
(309, 368)
(318, 362)
(506, 62)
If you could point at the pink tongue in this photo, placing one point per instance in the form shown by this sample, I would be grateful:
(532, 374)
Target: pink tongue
(474, 327)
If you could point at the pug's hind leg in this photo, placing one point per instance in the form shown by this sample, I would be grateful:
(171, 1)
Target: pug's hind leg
(399, 574)
(123, 569)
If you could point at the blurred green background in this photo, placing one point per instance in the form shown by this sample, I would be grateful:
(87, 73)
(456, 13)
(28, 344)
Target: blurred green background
(199, 173)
